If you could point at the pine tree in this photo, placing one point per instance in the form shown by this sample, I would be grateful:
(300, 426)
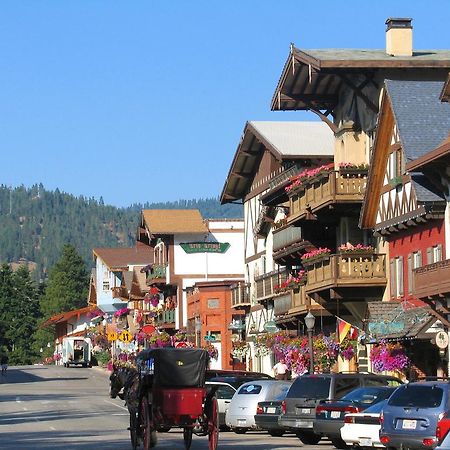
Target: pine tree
(6, 296)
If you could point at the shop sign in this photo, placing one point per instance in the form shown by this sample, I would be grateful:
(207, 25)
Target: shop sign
(205, 247)
(442, 339)
(210, 338)
(385, 328)
(270, 326)
(112, 336)
(126, 336)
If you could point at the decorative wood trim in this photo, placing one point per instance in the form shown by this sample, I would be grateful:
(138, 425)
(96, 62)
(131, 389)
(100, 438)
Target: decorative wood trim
(254, 257)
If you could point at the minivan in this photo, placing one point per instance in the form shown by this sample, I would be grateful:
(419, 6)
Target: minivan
(298, 410)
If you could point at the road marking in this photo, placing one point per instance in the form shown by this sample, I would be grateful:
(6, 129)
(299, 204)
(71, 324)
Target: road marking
(25, 409)
(18, 400)
(119, 414)
(115, 404)
(53, 428)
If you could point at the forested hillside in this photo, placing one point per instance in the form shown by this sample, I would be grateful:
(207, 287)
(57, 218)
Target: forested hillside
(36, 223)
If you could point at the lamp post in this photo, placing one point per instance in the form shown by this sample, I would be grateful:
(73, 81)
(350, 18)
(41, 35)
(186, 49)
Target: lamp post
(310, 320)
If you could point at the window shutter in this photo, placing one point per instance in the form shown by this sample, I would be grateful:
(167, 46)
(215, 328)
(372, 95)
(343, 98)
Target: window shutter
(419, 259)
(410, 273)
(429, 255)
(400, 276)
(393, 276)
(438, 253)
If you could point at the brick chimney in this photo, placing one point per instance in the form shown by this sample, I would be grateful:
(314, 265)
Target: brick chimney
(399, 37)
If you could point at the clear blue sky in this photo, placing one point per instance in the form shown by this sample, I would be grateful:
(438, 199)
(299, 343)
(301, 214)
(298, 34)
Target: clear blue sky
(146, 100)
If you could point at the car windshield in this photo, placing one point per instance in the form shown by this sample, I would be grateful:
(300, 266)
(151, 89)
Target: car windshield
(250, 389)
(279, 392)
(417, 396)
(367, 395)
(312, 387)
(377, 408)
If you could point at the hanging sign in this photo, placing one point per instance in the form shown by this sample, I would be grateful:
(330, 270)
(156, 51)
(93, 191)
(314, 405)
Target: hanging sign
(205, 247)
(112, 336)
(270, 326)
(442, 339)
(126, 336)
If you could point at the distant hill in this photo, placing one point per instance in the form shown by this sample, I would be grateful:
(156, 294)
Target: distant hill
(35, 224)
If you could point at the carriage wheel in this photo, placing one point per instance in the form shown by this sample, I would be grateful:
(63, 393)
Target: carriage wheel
(149, 438)
(213, 425)
(187, 436)
(134, 430)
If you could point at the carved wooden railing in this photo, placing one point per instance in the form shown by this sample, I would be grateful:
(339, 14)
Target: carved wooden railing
(287, 236)
(265, 284)
(325, 189)
(432, 280)
(346, 270)
(240, 295)
(165, 317)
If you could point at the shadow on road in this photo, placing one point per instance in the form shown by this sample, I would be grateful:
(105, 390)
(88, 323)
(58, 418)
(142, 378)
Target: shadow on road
(17, 376)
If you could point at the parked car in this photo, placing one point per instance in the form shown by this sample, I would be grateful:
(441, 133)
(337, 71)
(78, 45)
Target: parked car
(235, 377)
(410, 418)
(363, 429)
(240, 416)
(267, 412)
(298, 410)
(224, 394)
(442, 434)
(330, 414)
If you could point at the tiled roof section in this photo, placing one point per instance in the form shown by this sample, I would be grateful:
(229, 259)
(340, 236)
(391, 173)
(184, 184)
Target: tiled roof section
(423, 120)
(173, 221)
(127, 278)
(140, 277)
(425, 191)
(65, 316)
(116, 258)
(296, 138)
(414, 319)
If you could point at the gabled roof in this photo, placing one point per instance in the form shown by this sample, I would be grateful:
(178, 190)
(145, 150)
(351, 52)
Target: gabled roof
(119, 258)
(422, 119)
(425, 190)
(65, 316)
(284, 140)
(173, 221)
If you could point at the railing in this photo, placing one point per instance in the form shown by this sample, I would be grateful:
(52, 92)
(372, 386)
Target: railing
(265, 284)
(346, 270)
(119, 292)
(284, 237)
(158, 271)
(293, 301)
(165, 317)
(283, 176)
(335, 187)
(432, 280)
(240, 295)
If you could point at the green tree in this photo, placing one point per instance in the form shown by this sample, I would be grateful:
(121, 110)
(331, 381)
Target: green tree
(6, 300)
(68, 284)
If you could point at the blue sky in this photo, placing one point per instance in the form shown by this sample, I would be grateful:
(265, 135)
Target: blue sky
(146, 100)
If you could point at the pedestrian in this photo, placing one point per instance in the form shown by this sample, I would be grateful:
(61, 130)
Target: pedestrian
(4, 363)
(281, 370)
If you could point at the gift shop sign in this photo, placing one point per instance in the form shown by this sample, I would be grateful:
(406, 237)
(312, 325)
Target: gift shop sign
(205, 247)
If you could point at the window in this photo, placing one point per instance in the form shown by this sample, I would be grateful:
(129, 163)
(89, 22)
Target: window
(106, 285)
(213, 303)
(310, 387)
(397, 277)
(225, 392)
(250, 389)
(414, 262)
(417, 396)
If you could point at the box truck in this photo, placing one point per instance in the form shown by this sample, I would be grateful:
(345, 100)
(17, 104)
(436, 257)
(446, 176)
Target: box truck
(76, 351)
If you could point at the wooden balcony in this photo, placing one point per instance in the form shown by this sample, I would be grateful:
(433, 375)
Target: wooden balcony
(265, 284)
(348, 271)
(240, 295)
(432, 280)
(285, 237)
(165, 319)
(325, 190)
(158, 274)
(120, 292)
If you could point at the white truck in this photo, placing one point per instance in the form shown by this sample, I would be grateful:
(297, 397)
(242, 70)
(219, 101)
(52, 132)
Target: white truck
(76, 351)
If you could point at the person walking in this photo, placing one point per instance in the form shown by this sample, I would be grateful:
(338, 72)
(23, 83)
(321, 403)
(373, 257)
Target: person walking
(4, 363)
(281, 370)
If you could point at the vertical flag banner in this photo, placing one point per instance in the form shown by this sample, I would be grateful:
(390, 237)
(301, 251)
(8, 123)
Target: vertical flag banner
(343, 328)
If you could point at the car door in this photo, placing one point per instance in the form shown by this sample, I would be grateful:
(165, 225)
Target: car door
(224, 394)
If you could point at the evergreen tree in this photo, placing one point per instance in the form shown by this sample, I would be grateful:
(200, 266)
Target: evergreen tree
(6, 300)
(68, 284)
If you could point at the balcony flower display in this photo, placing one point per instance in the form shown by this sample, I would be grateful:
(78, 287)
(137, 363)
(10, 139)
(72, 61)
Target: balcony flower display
(358, 248)
(348, 166)
(212, 351)
(293, 282)
(388, 357)
(308, 175)
(240, 349)
(315, 254)
(159, 339)
(121, 312)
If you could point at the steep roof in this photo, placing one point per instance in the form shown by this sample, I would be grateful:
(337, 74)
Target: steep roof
(173, 221)
(416, 106)
(284, 140)
(425, 190)
(117, 258)
(65, 316)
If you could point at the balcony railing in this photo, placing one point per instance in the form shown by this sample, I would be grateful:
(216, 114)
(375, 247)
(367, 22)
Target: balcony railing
(265, 284)
(294, 301)
(240, 295)
(165, 318)
(157, 273)
(351, 270)
(327, 189)
(120, 292)
(432, 280)
(287, 236)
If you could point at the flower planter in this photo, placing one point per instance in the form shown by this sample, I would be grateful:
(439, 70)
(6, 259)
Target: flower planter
(315, 259)
(354, 171)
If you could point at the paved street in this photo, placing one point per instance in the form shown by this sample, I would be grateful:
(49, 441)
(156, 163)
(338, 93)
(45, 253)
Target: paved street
(47, 407)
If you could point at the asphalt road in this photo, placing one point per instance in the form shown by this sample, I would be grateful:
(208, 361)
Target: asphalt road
(48, 407)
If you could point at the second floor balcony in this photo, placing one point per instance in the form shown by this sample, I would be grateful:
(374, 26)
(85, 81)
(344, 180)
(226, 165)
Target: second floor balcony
(432, 280)
(267, 283)
(240, 295)
(334, 188)
(165, 319)
(157, 274)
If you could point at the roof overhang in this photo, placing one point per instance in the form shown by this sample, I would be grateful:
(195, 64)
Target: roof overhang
(66, 316)
(438, 157)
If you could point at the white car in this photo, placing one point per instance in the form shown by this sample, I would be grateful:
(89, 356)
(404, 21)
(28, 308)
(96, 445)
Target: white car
(240, 416)
(224, 394)
(363, 429)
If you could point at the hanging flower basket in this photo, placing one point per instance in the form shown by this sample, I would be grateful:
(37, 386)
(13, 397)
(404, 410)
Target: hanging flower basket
(315, 255)
(308, 176)
(293, 282)
(388, 357)
(240, 349)
(212, 351)
(346, 168)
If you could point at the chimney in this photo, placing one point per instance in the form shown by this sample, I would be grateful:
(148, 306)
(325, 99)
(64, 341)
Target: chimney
(399, 37)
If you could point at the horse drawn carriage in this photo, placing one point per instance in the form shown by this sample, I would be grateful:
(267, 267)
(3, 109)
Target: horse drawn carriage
(168, 390)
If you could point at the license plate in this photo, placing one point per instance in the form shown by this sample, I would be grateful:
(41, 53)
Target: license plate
(306, 410)
(409, 424)
(303, 424)
(335, 414)
(241, 421)
(271, 410)
(365, 442)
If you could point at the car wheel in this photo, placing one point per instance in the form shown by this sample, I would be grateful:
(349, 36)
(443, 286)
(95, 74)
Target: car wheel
(308, 438)
(276, 433)
(163, 429)
(240, 430)
(339, 443)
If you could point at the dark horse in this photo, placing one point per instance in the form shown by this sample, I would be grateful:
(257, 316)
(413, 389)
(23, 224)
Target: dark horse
(124, 383)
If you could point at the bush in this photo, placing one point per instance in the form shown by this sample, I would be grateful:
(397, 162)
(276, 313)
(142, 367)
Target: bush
(102, 357)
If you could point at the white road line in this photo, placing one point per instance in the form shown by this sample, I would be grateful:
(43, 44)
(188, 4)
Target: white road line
(25, 409)
(111, 403)
(53, 428)
(18, 400)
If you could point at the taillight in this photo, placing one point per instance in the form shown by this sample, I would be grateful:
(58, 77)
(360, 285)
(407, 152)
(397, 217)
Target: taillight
(283, 407)
(349, 419)
(259, 410)
(443, 427)
(429, 442)
(320, 410)
(351, 409)
(384, 439)
(381, 418)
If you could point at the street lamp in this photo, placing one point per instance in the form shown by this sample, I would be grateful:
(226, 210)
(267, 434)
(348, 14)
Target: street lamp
(310, 320)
